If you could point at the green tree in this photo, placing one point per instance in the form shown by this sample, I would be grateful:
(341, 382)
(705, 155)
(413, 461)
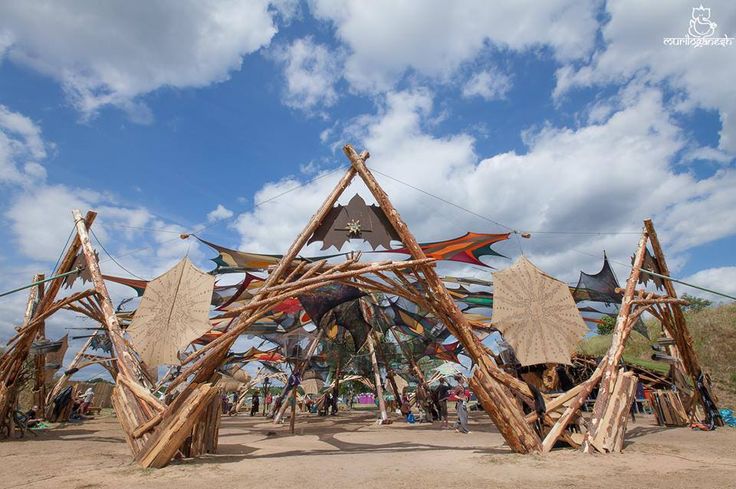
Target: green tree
(606, 325)
(696, 304)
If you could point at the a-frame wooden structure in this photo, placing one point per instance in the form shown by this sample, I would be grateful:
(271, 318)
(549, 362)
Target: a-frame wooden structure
(606, 430)
(158, 431)
(159, 438)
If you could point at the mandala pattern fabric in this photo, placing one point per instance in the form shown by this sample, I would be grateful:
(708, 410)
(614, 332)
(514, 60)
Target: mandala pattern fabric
(536, 314)
(174, 311)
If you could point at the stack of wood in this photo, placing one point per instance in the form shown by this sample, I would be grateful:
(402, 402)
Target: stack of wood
(609, 436)
(668, 408)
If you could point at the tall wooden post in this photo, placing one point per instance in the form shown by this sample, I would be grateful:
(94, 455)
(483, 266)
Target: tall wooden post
(377, 376)
(498, 401)
(389, 371)
(624, 325)
(39, 388)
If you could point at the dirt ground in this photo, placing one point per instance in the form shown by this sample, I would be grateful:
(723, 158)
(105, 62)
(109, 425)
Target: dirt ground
(350, 451)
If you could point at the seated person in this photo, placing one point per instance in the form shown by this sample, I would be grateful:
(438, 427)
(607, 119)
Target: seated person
(32, 418)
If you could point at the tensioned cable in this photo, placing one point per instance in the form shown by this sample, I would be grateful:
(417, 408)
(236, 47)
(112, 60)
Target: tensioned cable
(486, 218)
(665, 277)
(112, 257)
(270, 199)
(557, 232)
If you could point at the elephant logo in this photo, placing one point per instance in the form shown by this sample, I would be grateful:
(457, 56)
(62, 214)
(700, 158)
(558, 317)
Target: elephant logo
(701, 25)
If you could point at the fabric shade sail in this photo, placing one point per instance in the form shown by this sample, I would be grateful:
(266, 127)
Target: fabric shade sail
(174, 311)
(536, 314)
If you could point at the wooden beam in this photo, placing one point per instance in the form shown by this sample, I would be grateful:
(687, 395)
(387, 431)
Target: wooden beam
(503, 410)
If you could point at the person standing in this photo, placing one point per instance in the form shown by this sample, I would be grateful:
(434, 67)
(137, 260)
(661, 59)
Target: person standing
(268, 400)
(461, 405)
(87, 398)
(254, 404)
(443, 393)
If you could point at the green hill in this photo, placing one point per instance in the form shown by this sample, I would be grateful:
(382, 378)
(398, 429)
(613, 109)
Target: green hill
(714, 336)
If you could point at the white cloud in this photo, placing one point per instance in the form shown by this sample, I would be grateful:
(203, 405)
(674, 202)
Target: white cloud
(634, 48)
(606, 177)
(111, 53)
(38, 218)
(487, 84)
(21, 148)
(311, 71)
(387, 38)
(219, 213)
(722, 279)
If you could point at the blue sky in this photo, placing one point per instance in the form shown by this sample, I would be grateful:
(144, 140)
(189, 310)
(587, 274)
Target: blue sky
(565, 117)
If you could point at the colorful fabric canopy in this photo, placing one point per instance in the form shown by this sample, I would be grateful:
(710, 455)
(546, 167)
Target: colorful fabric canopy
(317, 302)
(240, 260)
(467, 248)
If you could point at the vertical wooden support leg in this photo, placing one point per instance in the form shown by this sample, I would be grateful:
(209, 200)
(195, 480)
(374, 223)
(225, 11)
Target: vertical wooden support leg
(377, 377)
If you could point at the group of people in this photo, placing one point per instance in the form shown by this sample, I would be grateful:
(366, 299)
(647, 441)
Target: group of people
(255, 403)
(433, 404)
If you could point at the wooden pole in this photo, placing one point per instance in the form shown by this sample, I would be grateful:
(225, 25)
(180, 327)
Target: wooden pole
(132, 410)
(300, 368)
(292, 421)
(503, 410)
(377, 376)
(39, 389)
(677, 329)
(61, 383)
(624, 324)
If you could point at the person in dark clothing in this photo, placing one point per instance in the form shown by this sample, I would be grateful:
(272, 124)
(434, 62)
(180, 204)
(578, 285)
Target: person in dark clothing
(443, 393)
(254, 404)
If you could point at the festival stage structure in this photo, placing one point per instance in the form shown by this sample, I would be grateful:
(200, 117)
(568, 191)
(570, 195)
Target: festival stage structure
(175, 315)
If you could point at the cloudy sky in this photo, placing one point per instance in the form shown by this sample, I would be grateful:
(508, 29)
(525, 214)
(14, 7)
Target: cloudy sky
(567, 119)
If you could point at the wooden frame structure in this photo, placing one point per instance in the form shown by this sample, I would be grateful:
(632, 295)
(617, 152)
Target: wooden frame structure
(157, 431)
(606, 430)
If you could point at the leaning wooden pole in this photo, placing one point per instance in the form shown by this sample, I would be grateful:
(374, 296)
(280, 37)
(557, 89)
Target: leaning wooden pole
(677, 329)
(389, 371)
(499, 401)
(133, 403)
(624, 324)
(68, 372)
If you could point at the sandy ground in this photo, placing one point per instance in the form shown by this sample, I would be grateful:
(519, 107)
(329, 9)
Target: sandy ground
(350, 451)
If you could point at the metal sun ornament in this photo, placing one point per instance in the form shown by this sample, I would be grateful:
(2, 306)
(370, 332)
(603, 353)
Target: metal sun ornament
(353, 227)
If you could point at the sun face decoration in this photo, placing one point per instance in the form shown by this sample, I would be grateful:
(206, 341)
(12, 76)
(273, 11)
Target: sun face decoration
(353, 227)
